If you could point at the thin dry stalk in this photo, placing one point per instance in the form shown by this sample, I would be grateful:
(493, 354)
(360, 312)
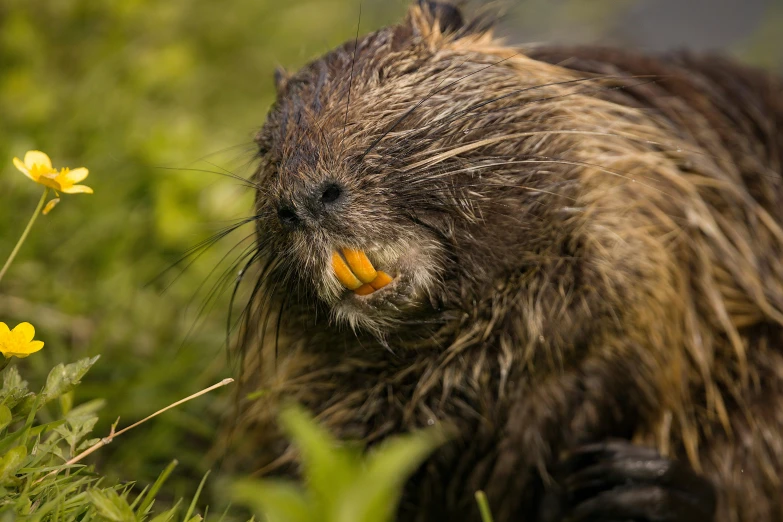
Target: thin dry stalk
(112, 433)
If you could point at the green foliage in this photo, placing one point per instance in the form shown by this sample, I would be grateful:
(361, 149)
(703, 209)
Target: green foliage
(483, 504)
(35, 480)
(41, 480)
(342, 485)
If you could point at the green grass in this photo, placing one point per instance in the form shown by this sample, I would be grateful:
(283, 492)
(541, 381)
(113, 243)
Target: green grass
(341, 485)
(43, 479)
(36, 480)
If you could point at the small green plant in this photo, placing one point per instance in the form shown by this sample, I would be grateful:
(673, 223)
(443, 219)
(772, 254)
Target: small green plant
(30, 451)
(341, 484)
(41, 478)
(483, 504)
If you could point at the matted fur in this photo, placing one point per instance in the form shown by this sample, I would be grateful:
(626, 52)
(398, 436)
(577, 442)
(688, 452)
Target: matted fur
(591, 247)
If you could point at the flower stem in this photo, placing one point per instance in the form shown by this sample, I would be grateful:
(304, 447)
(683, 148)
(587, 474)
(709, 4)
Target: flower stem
(25, 233)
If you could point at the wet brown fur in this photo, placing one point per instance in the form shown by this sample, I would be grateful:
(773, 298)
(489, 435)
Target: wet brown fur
(599, 243)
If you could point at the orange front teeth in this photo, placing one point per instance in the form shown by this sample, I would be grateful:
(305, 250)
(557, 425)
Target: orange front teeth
(344, 273)
(355, 271)
(360, 265)
(382, 280)
(365, 289)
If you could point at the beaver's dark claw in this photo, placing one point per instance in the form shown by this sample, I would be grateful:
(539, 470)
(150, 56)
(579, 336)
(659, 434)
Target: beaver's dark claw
(618, 481)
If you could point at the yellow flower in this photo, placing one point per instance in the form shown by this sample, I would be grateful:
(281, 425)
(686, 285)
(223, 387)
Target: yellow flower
(19, 341)
(38, 167)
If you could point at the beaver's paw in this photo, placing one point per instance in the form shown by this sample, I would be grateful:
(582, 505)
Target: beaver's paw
(618, 481)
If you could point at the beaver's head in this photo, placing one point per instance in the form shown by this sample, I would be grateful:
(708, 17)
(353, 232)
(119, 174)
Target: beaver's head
(407, 176)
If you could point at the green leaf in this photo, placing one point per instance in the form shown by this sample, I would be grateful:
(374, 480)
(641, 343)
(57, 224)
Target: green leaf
(14, 387)
(167, 516)
(481, 500)
(88, 408)
(10, 439)
(41, 428)
(66, 402)
(192, 506)
(276, 500)
(63, 378)
(76, 429)
(375, 494)
(5, 416)
(329, 468)
(87, 443)
(24, 505)
(110, 505)
(66, 488)
(12, 461)
(146, 503)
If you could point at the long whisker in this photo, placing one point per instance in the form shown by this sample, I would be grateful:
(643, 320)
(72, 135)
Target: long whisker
(353, 62)
(237, 285)
(244, 181)
(248, 145)
(277, 327)
(246, 314)
(218, 287)
(196, 251)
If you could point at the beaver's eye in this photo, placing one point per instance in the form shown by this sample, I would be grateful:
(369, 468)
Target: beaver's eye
(331, 193)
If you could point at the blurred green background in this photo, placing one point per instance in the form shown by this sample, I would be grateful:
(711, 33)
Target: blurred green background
(158, 99)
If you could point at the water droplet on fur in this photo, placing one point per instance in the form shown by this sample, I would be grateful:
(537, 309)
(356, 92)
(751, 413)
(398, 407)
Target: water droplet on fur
(430, 422)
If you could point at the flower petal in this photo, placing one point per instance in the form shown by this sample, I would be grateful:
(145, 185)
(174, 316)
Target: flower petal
(36, 157)
(23, 168)
(4, 330)
(49, 206)
(34, 346)
(25, 331)
(46, 181)
(76, 175)
(76, 189)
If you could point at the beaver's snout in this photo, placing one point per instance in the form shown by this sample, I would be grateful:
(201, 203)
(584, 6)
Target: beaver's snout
(311, 206)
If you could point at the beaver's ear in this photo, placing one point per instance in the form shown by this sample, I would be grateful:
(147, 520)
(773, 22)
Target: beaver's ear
(281, 79)
(425, 16)
(447, 16)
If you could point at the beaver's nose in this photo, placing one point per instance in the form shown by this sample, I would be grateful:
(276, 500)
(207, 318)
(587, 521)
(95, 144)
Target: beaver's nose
(312, 208)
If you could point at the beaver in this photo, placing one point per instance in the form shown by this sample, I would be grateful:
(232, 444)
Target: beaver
(571, 255)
